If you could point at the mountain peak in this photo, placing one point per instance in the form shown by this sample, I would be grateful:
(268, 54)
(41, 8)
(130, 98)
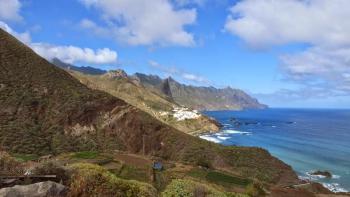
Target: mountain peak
(115, 74)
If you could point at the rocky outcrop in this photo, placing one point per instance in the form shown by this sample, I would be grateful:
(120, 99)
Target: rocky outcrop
(322, 173)
(115, 74)
(42, 189)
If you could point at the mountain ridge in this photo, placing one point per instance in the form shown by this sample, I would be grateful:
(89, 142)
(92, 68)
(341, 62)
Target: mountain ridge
(200, 97)
(197, 97)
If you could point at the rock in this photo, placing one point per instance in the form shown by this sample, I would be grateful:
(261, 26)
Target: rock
(45, 158)
(42, 189)
(322, 173)
(115, 74)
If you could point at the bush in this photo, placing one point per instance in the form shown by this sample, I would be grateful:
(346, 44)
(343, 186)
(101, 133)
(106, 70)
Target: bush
(189, 188)
(93, 180)
(255, 190)
(204, 162)
(9, 166)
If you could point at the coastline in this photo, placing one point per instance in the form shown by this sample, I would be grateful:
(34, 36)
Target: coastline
(244, 136)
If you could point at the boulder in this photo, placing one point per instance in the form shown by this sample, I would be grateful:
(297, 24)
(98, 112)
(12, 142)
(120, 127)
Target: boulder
(42, 189)
(322, 173)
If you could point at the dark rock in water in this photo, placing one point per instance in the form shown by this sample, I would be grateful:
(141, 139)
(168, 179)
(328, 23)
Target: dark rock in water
(42, 189)
(249, 123)
(322, 173)
(238, 124)
(233, 119)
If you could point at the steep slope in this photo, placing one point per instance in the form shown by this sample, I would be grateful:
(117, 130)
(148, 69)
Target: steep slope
(42, 107)
(45, 110)
(118, 84)
(200, 98)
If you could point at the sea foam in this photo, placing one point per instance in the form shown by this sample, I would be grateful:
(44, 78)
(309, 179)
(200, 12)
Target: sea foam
(230, 131)
(334, 187)
(210, 138)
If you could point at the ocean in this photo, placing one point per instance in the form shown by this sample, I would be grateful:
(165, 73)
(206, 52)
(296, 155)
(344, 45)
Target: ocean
(306, 139)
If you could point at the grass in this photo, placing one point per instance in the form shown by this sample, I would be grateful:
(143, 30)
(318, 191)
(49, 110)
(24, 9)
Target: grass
(25, 157)
(198, 173)
(133, 173)
(218, 177)
(189, 188)
(86, 155)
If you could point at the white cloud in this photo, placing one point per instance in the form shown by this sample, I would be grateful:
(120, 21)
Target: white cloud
(69, 54)
(189, 2)
(321, 24)
(320, 63)
(179, 73)
(143, 22)
(9, 10)
(92, 26)
(271, 22)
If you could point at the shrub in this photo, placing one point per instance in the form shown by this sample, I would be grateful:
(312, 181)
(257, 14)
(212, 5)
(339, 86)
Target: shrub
(10, 166)
(255, 190)
(93, 180)
(204, 162)
(189, 188)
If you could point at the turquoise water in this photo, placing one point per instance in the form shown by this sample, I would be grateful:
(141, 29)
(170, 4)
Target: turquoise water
(308, 140)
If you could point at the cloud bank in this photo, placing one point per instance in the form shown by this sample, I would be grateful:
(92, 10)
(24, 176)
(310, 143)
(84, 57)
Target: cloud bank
(142, 22)
(323, 25)
(68, 54)
(71, 54)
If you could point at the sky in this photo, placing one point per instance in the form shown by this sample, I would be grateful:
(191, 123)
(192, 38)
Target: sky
(286, 53)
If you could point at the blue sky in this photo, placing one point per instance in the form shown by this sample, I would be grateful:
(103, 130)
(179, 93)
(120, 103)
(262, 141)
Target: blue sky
(285, 53)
